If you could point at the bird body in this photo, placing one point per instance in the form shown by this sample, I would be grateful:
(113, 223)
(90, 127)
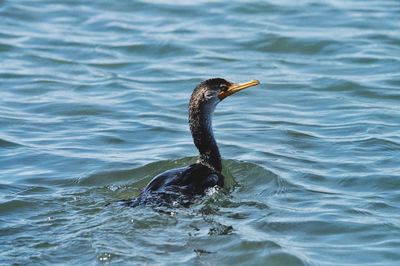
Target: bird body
(180, 185)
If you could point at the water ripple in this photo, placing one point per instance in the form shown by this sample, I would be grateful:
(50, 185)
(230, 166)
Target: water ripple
(94, 104)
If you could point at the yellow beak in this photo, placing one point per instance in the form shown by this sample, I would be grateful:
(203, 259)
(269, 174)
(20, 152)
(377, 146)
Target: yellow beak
(237, 87)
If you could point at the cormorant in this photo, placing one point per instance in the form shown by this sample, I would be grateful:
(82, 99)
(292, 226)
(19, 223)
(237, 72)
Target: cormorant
(180, 185)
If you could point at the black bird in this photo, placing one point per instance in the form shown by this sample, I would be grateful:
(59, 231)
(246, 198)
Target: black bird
(181, 185)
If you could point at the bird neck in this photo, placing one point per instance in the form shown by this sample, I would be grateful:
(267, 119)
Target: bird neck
(200, 121)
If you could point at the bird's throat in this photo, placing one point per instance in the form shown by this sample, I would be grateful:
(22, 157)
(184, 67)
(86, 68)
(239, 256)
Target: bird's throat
(200, 122)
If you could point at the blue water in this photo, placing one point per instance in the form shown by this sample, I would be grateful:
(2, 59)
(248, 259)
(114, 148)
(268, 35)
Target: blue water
(93, 104)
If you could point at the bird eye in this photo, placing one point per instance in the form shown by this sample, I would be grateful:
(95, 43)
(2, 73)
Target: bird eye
(223, 87)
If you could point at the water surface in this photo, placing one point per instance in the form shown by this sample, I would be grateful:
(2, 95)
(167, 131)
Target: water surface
(93, 100)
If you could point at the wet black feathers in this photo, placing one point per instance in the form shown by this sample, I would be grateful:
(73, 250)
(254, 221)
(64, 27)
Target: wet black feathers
(181, 185)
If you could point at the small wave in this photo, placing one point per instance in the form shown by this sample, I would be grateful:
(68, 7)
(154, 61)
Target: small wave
(272, 43)
(8, 144)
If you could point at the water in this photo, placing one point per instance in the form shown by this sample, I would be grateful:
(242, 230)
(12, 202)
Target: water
(93, 105)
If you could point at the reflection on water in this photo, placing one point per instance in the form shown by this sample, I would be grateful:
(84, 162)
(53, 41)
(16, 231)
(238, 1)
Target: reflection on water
(93, 105)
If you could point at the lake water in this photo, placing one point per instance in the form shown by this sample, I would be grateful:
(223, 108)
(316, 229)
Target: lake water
(93, 104)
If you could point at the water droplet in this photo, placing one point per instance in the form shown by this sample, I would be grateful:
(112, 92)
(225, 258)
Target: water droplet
(105, 257)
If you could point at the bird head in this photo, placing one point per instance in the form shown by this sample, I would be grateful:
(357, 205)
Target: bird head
(212, 91)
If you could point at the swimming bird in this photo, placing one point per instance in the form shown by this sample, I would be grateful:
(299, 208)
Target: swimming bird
(180, 185)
